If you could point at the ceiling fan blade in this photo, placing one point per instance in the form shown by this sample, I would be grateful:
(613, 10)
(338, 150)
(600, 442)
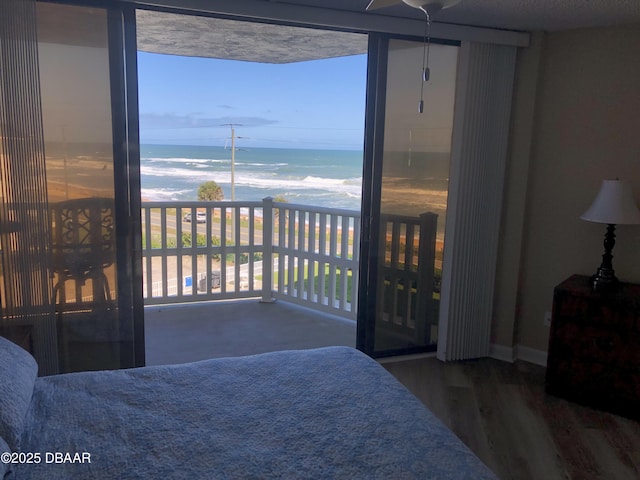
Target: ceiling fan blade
(375, 4)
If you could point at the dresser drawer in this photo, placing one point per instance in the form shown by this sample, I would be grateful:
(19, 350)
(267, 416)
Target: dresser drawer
(605, 311)
(612, 347)
(594, 346)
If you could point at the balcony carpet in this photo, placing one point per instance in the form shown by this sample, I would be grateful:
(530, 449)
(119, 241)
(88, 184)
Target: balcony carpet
(190, 332)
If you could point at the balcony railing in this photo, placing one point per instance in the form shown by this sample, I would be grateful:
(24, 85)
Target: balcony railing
(409, 286)
(317, 253)
(195, 251)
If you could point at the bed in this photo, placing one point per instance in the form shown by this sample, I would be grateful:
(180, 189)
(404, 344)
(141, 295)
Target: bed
(323, 413)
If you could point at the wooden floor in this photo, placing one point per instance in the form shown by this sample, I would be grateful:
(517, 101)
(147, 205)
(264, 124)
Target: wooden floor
(502, 413)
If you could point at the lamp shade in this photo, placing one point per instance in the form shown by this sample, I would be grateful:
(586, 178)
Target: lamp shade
(613, 205)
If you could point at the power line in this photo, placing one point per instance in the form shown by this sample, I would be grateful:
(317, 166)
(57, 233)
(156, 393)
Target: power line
(311, 128)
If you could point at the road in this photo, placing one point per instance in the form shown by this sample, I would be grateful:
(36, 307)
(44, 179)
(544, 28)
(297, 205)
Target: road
(201, 228)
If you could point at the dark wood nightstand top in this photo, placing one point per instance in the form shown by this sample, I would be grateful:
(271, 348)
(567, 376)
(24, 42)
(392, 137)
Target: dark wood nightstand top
(580, 286)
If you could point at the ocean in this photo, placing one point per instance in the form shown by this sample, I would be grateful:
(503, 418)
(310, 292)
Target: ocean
(412, 182)
(328, 178)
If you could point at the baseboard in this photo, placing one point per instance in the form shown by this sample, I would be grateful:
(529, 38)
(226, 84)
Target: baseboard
(531, 355)
(519, 352)
(500, 352)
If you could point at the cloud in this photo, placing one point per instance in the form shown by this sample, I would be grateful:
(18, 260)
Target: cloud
(172, 120)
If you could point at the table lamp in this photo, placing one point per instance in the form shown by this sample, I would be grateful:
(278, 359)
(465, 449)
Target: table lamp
(614, 205)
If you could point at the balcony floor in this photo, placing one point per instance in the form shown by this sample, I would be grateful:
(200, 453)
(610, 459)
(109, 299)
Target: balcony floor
(182, 333)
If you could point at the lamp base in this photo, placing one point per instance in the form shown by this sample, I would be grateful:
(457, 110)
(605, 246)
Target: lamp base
(604, 279)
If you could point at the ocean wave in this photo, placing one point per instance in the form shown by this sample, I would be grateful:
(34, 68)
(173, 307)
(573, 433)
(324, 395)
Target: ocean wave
(206, 162)
(324, 181)
(258, 179)
(184, 160)
(164, 194)
(167, 172)
(254, 164)
(354, 181)
(332, 185)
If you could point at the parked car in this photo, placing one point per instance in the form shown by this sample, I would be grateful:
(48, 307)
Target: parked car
(201, 217)
(216, 278)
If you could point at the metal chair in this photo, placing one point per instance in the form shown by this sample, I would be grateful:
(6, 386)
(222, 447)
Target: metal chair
(83, 246)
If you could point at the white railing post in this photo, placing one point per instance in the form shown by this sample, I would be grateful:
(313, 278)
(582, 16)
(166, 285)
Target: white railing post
(267, 251)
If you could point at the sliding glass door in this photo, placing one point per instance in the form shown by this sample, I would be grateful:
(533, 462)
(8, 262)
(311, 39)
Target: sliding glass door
(86, 201)
(405, 203)
(89, 164)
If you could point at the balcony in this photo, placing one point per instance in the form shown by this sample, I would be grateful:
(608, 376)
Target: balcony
(197, 331)
(242, 252)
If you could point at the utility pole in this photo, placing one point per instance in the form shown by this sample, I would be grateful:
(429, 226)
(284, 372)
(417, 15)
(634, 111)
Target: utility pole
(233, 158)
(233, 176)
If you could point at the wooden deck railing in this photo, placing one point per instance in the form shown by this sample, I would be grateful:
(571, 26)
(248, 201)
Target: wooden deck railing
(262, 249)
(407, 277)
(317, 251)
(298, 253)
(184, 260)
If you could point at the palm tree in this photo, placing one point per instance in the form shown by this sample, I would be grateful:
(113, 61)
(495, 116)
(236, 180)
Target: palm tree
(281, 199)
(210, 191)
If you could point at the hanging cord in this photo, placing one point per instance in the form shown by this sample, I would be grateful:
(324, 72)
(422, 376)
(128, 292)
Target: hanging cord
(425, 57)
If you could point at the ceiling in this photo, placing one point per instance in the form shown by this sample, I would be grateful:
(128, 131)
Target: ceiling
(188, 35)
(526, 15)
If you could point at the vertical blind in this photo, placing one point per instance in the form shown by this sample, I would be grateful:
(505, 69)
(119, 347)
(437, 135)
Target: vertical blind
(25, 288)
(478, 161)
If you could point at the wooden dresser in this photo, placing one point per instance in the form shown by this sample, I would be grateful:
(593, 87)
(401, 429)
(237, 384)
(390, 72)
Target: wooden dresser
(594, 346)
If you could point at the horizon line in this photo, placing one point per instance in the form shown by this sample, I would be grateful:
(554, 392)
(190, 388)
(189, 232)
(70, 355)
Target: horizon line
(253, 147)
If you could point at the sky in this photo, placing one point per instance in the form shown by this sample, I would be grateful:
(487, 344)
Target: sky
(315, 104)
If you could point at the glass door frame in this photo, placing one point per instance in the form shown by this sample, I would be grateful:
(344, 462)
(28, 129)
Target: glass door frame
(126, 158)
(371, 189)
(375, 115)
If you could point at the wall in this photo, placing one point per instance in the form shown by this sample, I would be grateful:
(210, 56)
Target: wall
(582, 127)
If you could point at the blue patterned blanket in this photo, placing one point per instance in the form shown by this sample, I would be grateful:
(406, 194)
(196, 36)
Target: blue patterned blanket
(319, 414)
